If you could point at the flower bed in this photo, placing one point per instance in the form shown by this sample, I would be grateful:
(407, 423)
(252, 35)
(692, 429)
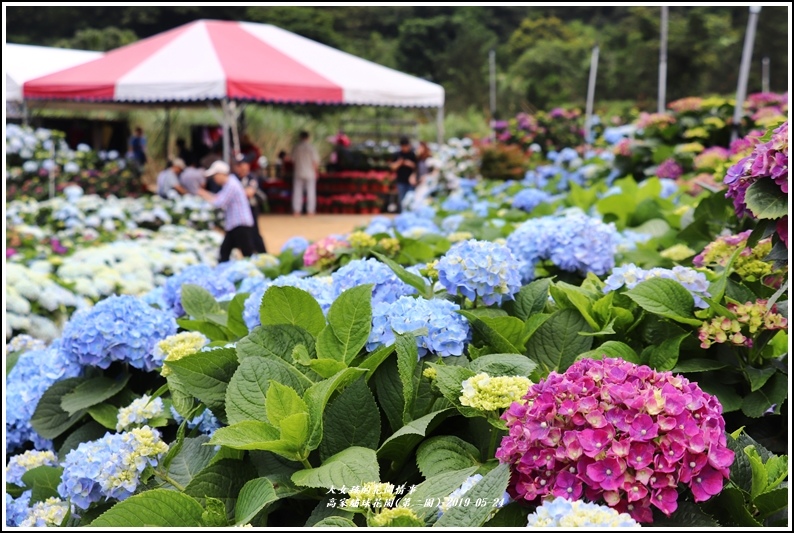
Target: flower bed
(452, 366)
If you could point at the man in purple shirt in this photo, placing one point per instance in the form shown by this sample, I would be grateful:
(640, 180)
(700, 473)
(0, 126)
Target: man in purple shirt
(232, 199)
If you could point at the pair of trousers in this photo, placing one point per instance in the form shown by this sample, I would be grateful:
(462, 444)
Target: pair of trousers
(402, 190)
(242, 238)
(259, 242)
(298, 186)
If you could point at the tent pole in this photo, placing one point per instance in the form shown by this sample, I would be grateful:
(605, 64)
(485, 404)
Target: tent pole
(588, 121)
(227, 156)
(234, 114)
(166, 133)
(744, 71)
(440, 126)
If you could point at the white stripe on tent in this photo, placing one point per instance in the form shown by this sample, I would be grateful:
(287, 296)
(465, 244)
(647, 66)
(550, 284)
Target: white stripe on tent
(166, 72)
(363, 82)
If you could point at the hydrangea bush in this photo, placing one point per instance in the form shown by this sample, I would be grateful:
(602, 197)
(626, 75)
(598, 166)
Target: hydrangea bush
(616, 432)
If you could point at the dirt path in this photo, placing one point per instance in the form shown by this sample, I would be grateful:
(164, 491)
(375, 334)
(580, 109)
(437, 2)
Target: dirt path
(277, 229)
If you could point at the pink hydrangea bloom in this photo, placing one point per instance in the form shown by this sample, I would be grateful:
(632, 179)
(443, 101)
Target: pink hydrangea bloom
(322, 252)
(616, 432)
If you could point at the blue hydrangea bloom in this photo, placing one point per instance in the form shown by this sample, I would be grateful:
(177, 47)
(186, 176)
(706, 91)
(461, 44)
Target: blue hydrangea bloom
(481, 207)
(669, 188)
(17, 508)
(253, 303)
(409, 220)
(480, 268)
(566, 155)
(298, 245)
(205, 422)
(321, 288)
(249, 285)
(119, 328)
(109, 467)
(155, 298)
(388, 287)
(631, 275)
(34, 373)
(560, 512)
(455, 203)
(424, 211)
(451, 223)
(380, 224)
(574, 242)
(448, 331)
(529, 199)
(201, 275)
(501, 187)
(20, 464)
(235, 271)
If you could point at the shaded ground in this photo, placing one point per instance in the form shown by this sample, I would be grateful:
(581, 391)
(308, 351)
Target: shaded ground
(277, 229)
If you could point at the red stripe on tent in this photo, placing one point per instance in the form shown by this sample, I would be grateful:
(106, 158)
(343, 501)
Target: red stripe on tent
(255, 70)
(97, 79)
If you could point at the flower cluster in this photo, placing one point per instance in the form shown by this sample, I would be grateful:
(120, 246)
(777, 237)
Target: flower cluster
(24, 343)
(560, 512)
(616, 431)
(109, 467)
(455, 203)
(49, 513)
(103, 334)
(236, 271)
(655, 120)
(447, 331)
(573, 242)
(631, 275)
(177, 346)
(489, 393)
(19, 464)
(390, 245)
(750, 261)
(768, 160)
(17, 509)
(205, 422)
(322, 253)
(712, 158)
(669, 169)
(34, 373)
(139, 412)
(297, 245)
(480, 268)
(320, 287)
(388, 287)
(201, 275)
(529, 199)
(413, 222)
(361, 240)
(751, 319)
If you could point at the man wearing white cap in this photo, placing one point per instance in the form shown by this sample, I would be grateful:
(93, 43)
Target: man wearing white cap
(168, 179)
(232, 199)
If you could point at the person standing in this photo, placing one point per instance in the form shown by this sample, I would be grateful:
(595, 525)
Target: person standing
(168, 179)
(404, 165)
(239, 225)
(137, 149)
(250, 183)
(192, 178)
(306, 163)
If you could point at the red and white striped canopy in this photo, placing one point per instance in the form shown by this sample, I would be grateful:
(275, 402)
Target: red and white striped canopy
(212, 60)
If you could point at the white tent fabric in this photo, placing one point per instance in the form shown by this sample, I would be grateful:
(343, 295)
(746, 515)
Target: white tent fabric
(234, 61)
(25, 62)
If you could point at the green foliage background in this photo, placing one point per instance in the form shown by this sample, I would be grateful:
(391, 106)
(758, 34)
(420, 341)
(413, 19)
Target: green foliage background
(542, 52)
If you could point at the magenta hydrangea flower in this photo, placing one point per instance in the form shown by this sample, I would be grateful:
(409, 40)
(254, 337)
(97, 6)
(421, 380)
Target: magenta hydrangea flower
(768, 160)
(616, 432)
(669, 169)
